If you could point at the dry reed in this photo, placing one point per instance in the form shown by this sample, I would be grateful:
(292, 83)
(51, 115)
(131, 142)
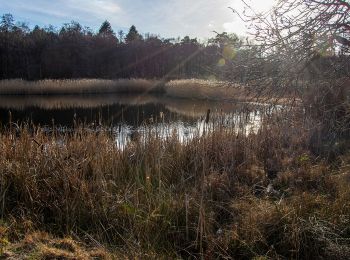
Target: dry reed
(215, 196)
(79, 86)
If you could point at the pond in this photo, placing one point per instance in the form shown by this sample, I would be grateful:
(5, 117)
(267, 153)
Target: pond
(127, 116)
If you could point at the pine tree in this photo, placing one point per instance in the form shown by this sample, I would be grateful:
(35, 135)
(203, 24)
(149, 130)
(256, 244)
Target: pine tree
(106, 30)
(133, 35)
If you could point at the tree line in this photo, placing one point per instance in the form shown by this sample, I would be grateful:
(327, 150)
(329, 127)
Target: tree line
(74, 51)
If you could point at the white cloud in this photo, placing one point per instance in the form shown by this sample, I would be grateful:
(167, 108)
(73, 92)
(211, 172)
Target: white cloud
(95, 7)
(229, 27)
(171, 18)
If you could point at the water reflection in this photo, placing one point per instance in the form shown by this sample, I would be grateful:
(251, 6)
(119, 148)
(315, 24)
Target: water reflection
(128, 117)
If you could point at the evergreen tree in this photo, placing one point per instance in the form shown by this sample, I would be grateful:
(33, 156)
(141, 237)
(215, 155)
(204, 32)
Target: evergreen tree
(133, 35)
(7, 23)
(106, 30)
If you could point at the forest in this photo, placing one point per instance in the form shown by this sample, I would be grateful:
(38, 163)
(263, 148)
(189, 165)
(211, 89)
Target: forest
(74, 51)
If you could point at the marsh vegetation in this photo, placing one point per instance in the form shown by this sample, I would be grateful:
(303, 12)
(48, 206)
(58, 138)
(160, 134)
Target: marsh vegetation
(229, 149)
(218, 194)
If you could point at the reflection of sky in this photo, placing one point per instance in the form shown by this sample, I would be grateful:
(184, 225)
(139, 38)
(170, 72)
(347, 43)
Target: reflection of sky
(170, 18)
(245, 123)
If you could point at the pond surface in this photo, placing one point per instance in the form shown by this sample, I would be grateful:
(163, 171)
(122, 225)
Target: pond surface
(125, 115)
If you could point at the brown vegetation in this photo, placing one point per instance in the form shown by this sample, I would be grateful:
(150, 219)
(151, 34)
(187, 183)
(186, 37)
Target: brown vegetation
(205, 89)
(187, 89)
(280, 192)
(223, 194)
(40, 245)
(81, 86)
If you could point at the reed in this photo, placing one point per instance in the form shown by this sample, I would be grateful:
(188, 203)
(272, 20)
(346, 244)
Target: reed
(205, 89)
(213, 196)
(180, 89)
(79, 86)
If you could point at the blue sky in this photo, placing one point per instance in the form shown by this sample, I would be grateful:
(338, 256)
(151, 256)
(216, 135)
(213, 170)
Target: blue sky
(168, 18)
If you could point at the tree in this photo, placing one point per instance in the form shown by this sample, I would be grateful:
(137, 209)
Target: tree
(7, 23)
(121, 36)
(39, 40)
(303, 28)
(188, 40)
(75, 51)
(133, 35)
(300, 41)
(106, 30)
(71, 29)
(224, 39)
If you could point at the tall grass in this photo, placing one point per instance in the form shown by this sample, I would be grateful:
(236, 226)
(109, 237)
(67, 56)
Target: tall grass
(223, 90)
(178, 105)
(219, 195)
(205, 89)
(189, 88)
(79, 86)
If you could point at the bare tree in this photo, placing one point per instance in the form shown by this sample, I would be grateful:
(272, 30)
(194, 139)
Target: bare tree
(306, 44)
(301, 37)
(307, 26)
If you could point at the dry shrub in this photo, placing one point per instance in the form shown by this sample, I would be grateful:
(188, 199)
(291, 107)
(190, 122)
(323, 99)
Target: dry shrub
(327, 105)
(293, 228)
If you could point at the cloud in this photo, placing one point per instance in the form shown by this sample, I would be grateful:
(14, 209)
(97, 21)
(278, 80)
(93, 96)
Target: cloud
(66, 8)
(171, 18)
(97, 8)
(229, 27)
(196, 18)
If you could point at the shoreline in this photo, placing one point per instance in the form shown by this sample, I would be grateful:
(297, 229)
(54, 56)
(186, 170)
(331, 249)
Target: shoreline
(195, 89)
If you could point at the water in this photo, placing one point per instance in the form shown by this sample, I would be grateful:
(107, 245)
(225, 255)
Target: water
(130, 116)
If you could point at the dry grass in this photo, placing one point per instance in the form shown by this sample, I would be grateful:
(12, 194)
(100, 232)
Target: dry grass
(221, 90)
(205, 89)
(220, 195)
(41, 245)
(79, 86)
(180, 106)
(189, 89)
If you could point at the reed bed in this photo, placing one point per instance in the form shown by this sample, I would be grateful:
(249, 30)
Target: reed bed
(175, 88)
(23, 102)
(190, 88)
(186, 89)
(205, 89)
(221, 194)
(222, 90)
(181, 106)
(79, 86)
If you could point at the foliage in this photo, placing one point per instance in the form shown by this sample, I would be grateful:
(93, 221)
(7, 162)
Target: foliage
(75, 51)
(133, 35)
(106, 30)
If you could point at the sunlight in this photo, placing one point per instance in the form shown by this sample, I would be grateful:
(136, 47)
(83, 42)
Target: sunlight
(153, 129)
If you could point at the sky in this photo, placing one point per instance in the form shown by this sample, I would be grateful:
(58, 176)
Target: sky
(167, 18)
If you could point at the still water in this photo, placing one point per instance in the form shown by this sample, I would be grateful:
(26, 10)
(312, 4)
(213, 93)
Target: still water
(128, 115)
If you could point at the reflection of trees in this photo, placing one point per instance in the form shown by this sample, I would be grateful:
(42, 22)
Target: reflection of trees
(108, 115)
